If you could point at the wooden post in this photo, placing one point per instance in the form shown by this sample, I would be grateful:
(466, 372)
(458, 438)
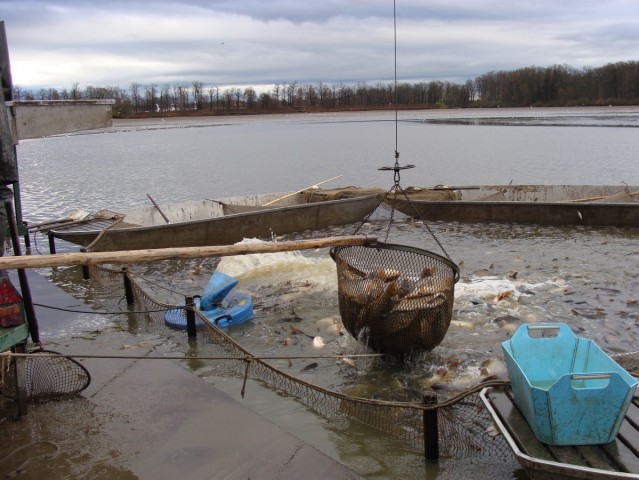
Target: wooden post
(190, 317)
(128, 288)
(86, 275)
(27, 238)
(431, 429)
(51, 243)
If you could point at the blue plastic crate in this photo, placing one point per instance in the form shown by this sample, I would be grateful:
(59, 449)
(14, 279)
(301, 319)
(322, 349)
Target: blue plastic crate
(567, 388)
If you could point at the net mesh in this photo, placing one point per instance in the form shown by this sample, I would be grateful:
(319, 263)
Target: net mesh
(48, 376)
(466, 428)
(396, 299)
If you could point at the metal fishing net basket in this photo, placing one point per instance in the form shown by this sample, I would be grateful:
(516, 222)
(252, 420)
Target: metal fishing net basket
(396, 299)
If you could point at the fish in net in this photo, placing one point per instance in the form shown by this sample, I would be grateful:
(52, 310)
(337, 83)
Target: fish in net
(396, 299)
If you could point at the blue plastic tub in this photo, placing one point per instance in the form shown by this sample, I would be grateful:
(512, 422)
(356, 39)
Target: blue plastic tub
(220, 284)
(567, 388)
(235, 309)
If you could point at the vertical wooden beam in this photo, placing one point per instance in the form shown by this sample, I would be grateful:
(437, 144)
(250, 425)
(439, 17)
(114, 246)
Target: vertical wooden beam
(128, 288)
(190, 318)
(51, 243)
(86, 275)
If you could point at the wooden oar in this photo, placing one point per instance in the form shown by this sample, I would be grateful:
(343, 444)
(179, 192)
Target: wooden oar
(590, 199)
(298, 191)
(166, 219)
(75, 216)
(152, 255)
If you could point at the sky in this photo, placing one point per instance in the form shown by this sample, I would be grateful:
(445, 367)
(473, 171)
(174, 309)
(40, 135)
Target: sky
(226, 43)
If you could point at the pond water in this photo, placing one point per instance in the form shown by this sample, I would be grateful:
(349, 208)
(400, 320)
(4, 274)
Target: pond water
(510, 274)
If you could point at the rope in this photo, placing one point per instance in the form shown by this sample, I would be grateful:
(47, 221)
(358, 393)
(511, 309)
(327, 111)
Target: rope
(118, 219)
(108, 313)
(248, 358)
(156, 284)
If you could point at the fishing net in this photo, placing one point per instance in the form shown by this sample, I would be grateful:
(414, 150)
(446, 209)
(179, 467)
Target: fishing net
(48, 376)
(465, 426)
(394, 298)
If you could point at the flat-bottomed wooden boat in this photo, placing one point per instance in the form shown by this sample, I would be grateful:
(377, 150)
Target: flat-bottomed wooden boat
(212, 222)
(603, 205)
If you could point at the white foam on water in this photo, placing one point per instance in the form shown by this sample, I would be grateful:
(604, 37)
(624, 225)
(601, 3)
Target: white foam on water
(280, 268)
(487, 288)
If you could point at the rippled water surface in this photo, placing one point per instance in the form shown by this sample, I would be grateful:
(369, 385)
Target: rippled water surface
(510, 274)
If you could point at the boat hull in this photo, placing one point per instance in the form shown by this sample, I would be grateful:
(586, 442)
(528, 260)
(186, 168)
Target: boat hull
(542, 204)
(228, 229)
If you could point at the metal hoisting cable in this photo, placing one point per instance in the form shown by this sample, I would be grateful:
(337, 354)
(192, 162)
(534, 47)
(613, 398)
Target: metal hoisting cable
(397, 168)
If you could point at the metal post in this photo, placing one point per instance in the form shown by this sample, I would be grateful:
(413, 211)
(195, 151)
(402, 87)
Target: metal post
(128, 289)
(431, 429)
(29, 310)
(20, 379)
(190, 317)
(51, 243)
(86, 275)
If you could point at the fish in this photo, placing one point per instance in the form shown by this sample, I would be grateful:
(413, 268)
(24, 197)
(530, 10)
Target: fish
(310, 366)
(462, 324)
(386, 274)
(408, 304)
(348, 361)
(298, 331)
(500, 296)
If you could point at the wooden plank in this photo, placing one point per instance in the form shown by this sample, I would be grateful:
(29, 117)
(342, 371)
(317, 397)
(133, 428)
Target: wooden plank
(595, 457)
(632, 414)
(518, 426)
(567, 455)
(630, 436)
(623, 456)
(152, 255)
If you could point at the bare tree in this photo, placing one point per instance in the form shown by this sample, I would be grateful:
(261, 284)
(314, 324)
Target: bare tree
(276, 93)
(198, 95)
(165, 98)
(237, 93)
(213, 93)
(135, 96)
(150, 95)
(250, 97)
(75, 91)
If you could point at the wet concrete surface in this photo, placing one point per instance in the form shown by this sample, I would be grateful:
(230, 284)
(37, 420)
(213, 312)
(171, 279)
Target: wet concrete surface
(145, 419)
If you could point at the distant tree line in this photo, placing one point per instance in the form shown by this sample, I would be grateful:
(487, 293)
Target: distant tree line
(558, 85)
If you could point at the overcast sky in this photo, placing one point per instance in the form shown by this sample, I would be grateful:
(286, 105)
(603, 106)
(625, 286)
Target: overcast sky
(56, 43)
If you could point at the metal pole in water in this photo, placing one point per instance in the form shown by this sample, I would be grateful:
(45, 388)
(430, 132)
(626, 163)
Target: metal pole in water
(431, 429)
(190, 318)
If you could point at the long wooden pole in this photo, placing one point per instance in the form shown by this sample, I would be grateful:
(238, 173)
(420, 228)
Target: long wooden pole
(301, 190)
(166, 219)
(590, 199)
(151, 255)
